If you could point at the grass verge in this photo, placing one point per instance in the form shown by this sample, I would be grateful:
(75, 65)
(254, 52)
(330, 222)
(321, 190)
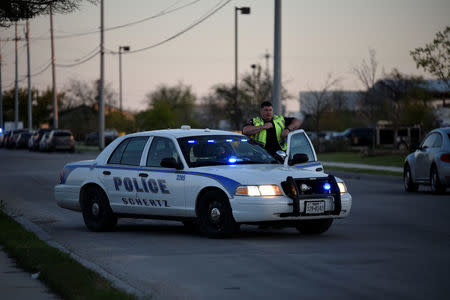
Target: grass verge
(363, 171)
(63, 275)
(84, 148)
(392, 160)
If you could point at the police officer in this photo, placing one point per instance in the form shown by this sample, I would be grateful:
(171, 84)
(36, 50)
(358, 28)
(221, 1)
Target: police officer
(269, 129)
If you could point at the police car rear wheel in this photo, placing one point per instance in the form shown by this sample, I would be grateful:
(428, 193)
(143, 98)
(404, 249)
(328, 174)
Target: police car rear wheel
(318, 226)
(215, 216)
(97, 213)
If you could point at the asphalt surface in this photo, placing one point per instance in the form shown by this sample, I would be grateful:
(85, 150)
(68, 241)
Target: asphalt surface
(394, 245)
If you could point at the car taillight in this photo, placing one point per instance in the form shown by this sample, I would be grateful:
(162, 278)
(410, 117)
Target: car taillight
(61, 176)
(445, 157)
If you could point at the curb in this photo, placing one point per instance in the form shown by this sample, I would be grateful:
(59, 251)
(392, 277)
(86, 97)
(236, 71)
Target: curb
(359, 176)
(363, 166)
(45, 237)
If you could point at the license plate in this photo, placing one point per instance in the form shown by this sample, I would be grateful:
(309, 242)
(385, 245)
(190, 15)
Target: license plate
(315, 207)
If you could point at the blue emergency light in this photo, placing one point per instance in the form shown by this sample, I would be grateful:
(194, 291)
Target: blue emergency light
(232, 160)
(327, 186)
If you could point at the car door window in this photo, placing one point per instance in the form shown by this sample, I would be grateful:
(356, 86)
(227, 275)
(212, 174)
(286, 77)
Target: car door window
(116, 157)
(429, 141)
(437, 141)
(300, 144)
(129, 152)
(159, 149)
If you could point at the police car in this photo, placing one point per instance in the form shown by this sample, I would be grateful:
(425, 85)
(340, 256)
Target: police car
(214, 179)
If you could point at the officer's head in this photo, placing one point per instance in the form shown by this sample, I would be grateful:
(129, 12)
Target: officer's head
(266, 111)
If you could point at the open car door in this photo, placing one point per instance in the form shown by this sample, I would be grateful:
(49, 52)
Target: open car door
(300, 152)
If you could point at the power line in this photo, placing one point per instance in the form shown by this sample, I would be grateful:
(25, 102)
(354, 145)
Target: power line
(78, 63)
(84, 56)
(159, 14)
(42, 71)
(218, 6)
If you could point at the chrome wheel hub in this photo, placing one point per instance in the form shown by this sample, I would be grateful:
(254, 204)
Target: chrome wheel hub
(95, 209)
(215, 214)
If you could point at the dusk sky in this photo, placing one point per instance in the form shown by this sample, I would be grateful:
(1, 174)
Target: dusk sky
(318, 37)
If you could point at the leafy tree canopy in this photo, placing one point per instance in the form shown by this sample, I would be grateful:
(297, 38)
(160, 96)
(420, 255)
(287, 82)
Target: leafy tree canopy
(16, 10)
(435, 57)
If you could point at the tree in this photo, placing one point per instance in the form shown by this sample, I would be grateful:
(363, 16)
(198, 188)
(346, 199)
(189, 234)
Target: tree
(320, 101)
(435, 57)
(402, 95)
(16, 10)
(87, 93)
(168, 107)
(369, 105)
(41, 106)
(253, 89)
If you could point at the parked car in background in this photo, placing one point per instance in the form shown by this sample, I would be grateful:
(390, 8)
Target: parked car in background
(11, 143)
(60, 140)
(110, 135)
(430, 163)
(33, 142)
(22, 140)
(43, 146)
(357, 136)
(4, 138)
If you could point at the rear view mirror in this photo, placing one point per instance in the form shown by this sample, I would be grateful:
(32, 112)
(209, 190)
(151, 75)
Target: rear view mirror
(298, 158)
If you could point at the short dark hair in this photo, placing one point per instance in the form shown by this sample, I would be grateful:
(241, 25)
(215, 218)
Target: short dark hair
(266, 103)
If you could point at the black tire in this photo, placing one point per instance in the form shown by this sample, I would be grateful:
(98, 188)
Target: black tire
(97, 214)
(215, 217)
(310, 227)
(409, 184)
(436, 186)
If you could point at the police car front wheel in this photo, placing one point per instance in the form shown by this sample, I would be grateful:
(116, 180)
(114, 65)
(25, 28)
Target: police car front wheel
(215, 216)
(97, 213)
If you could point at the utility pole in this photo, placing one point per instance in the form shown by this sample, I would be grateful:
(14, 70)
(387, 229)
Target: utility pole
(101, 106)
(16, 87)
(30, 117)
(124, 48)
(245, 11)
(1, 91)
(54, 96)
(277, 60)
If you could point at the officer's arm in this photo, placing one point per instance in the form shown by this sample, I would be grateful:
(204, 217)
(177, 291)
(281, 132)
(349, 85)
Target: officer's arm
(295, 124)
(251, 129)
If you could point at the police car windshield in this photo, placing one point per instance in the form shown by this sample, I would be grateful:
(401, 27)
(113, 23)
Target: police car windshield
(200, 151)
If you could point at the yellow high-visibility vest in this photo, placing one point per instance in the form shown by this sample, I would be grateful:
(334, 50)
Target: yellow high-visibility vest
(262, 135)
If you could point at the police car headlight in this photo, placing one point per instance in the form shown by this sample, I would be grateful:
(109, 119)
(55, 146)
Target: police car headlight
(259, 190)
(342, 187)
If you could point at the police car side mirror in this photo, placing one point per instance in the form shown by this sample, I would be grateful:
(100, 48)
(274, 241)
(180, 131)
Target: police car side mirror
(280, 155)
(298, 159)
(170, 162)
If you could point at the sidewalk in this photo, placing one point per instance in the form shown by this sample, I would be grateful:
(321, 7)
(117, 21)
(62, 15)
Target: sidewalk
(19, 285)
(362, 166)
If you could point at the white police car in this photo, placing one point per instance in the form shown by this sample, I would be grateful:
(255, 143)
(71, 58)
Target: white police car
(216, 179)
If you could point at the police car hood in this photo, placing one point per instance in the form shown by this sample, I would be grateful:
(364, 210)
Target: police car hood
(259, 174)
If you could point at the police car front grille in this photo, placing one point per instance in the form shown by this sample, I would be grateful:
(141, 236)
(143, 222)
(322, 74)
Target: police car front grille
(314, 186)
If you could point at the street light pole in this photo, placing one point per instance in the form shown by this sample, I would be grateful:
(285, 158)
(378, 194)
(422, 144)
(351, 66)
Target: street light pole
(54, 95)
(277, 60)
(16, 87)
(245, 11)
(101, 104)
(124, 48)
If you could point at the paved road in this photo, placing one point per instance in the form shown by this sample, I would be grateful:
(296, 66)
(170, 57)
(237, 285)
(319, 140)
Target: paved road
(393, 246)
